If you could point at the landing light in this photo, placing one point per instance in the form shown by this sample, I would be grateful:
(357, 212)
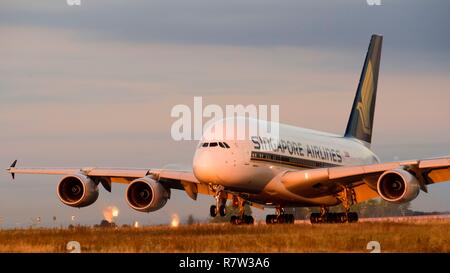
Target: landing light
(175, 220)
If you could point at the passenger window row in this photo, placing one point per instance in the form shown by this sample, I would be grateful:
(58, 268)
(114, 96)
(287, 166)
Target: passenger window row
(215, 144)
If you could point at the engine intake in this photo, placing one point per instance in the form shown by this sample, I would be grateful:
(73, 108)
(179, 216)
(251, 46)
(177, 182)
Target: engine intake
(77, 191)
(145, 194)
(398, 186)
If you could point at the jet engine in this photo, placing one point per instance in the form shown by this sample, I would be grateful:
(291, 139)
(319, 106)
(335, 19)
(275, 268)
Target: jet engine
(145, 194)
(398, 186)
(77, 191)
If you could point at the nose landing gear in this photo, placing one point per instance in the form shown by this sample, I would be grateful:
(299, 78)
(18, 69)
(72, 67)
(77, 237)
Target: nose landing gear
(213, 210)
(219, 207)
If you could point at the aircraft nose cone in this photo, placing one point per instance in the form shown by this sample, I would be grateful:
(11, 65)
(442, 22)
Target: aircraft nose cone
(205, 166)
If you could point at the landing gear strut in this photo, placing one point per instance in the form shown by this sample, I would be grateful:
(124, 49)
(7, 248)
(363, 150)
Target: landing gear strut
(280, 217)
(241, 218)
(347, 197)
(219, 207)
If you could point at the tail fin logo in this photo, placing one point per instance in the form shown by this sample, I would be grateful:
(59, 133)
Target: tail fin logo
(363, 106)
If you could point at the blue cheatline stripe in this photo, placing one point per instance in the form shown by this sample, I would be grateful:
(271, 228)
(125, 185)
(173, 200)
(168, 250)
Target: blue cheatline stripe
(289, 160)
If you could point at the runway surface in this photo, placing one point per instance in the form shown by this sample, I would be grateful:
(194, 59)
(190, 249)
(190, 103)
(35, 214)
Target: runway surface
(404, 234)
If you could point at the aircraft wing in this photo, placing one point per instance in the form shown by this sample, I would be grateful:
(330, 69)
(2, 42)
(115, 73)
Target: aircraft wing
(363, 178)
(175, 179)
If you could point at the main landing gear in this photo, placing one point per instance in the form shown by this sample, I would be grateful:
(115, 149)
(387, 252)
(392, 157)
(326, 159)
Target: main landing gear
(241, 219)
(347, 197)
(329, 217)
(280, 217)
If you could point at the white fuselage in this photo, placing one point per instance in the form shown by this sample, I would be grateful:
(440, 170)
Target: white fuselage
(248, 166)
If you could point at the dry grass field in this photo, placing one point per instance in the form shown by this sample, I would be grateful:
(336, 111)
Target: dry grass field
(427, 236)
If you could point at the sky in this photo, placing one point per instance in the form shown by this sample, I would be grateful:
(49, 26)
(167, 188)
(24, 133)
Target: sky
(93, 85)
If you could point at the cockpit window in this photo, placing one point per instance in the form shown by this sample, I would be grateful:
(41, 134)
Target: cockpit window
(215, 144)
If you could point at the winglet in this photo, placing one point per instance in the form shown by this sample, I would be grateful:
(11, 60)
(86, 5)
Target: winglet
(13, 165)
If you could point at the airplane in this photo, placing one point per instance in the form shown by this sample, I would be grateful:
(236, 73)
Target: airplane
(301, 168)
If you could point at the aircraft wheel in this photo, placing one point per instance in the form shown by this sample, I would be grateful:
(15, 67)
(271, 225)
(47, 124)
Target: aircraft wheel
(353, 217)
(342, 217)
(290, 218)
(213, 211)
(314, 218)
(222, 210)
(249, 220)
(331, 217)
(336, 218)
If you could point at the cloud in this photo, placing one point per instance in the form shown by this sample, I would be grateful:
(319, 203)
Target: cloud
(407, 24)
(108, 88)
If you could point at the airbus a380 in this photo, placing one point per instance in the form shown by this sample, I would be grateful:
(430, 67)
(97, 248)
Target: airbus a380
(300, 168)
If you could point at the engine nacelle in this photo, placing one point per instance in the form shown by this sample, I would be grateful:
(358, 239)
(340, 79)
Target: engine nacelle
(145, 194)
(77, 191)
(398, 186)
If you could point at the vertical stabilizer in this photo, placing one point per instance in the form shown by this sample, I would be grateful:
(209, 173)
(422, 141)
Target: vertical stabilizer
(360, 123)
